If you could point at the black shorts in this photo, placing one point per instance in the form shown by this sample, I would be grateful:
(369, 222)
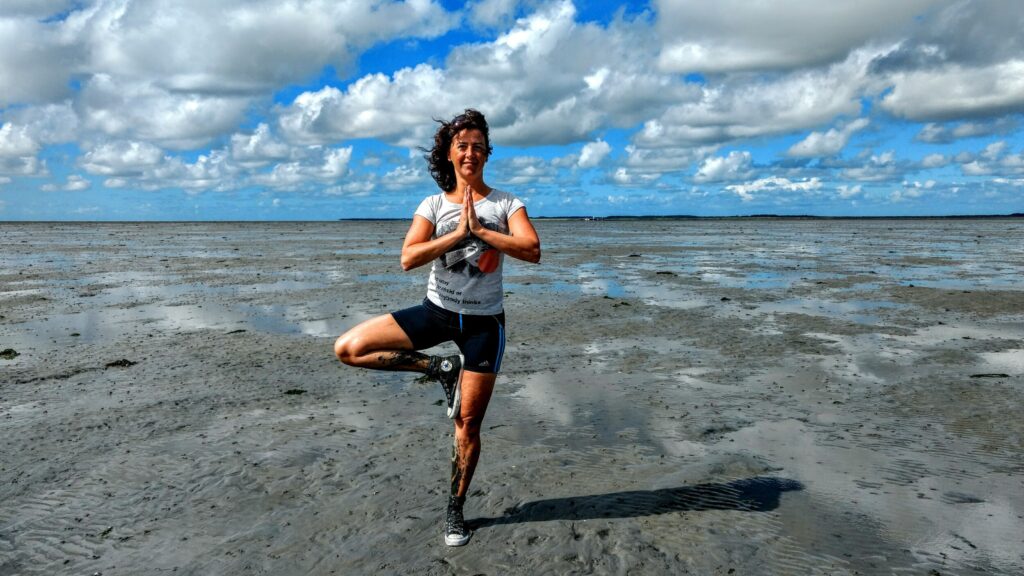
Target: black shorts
(481, 339)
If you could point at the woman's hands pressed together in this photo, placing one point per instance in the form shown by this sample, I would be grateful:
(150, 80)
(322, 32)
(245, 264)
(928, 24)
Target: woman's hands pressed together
(473, 224)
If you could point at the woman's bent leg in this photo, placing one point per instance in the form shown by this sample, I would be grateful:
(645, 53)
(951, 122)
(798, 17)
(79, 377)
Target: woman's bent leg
(380, 344)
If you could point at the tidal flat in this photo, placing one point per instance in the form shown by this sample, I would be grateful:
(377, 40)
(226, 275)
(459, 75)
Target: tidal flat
(726, 396)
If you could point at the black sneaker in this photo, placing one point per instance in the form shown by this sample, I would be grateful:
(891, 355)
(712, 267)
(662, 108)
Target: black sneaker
(449, 373)
(455, 531)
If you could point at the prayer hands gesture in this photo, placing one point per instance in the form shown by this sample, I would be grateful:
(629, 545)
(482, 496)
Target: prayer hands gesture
(468, 222)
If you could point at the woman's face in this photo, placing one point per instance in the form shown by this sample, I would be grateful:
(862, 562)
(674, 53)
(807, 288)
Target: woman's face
(468, 153)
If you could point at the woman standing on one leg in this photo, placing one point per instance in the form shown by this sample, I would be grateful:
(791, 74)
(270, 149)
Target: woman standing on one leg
(464, 231)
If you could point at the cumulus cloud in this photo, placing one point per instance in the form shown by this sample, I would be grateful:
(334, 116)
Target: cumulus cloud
(736, 35)
(745, 106)
(970, 33)
(846, 191)
(258, 148)
(827, 143)
(122, 158)
(548, 80)
(323, 165)
(934, 133)
(593, 153)
(36, 62)
(772, 184)
(934, 161)
(405, 177)
(627, 177)
(47, 123)
(18, 151)
(994, 159)
(663, 160)
(525, 170)
(876, 168)
(491, 13)
(180, 74)
(74, 183)
(955, 91)
(243, 45)
(735, 166)
(140, 111)
(15, 141)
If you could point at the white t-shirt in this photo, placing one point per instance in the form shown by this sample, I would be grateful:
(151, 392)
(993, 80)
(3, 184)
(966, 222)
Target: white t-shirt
(467, 278)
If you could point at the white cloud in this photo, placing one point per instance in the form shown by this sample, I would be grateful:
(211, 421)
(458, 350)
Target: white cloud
(491, 13)
(74, 183)
(46, 123)
(956, 91)
(242, 45)
(259, 147)
(15, 141)
(735, 166)
(405, 177)
(934, 161)
(182, 73)
(737, 35)
(627, 177)
(140, 111)
(322, 166)
(877, 168)
(34, 8)
(664, 160)
(994, 159)
(593, 153)
(828, 143)
(35, 62)
(745, 106)
(994, 150)
(934, 133)
(772, 184)
(18, 151)
(548, 80)
(524, 170)
(122, 158)
(849, 191)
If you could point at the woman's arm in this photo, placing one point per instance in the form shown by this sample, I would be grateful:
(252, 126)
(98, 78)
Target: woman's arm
(521, 243)
(419, 249)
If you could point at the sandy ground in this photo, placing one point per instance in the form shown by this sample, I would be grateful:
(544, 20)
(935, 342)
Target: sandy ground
(677, 397)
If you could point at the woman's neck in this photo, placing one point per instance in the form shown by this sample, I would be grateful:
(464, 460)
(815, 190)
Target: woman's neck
(479, 187)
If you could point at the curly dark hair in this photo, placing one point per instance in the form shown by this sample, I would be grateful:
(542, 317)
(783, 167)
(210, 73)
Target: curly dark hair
(437, 157)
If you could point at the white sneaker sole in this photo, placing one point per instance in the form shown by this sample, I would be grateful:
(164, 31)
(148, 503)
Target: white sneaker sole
(456, 540)
(454, 410)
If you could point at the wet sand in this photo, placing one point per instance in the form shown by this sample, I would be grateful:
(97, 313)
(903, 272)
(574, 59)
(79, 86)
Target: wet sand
(703, 397)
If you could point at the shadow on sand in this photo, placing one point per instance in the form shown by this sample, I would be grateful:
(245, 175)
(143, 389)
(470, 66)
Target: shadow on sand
(759, 494)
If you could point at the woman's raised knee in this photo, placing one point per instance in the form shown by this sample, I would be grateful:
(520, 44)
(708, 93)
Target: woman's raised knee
(346, 348)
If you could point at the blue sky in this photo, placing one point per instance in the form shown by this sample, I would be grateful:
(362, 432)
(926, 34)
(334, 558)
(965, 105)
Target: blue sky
(314, 109)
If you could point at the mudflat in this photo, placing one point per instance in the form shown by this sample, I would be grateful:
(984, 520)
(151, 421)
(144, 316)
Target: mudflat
(749, 396)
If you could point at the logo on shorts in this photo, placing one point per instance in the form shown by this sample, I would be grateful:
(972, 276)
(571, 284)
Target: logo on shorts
(446, 365)
(485, 364)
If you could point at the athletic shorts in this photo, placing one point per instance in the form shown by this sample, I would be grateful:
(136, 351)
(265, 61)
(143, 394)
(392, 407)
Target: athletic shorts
(481, 339)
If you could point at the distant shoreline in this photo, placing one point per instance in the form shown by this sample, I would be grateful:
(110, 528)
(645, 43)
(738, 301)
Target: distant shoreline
(583, 218)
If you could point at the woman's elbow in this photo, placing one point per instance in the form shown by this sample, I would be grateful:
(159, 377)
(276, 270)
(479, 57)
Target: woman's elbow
(533, 255)
(407, 262)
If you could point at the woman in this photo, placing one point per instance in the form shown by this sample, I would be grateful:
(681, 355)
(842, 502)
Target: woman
(464, 232)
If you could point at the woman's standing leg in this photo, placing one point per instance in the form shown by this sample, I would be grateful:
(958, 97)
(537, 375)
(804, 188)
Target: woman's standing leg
(476, 394)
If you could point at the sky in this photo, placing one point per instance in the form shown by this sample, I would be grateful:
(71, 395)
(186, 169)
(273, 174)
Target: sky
(317, 109)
